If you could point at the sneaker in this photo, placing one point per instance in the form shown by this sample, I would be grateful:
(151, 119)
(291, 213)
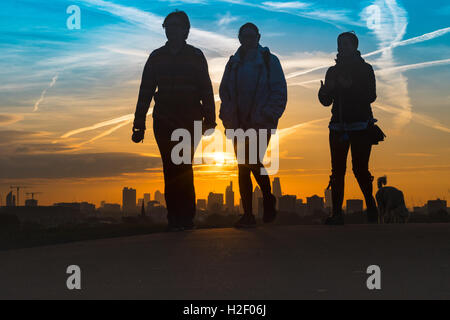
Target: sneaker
(270, 211)
(187, 224)
(335, 220)
(246, 221)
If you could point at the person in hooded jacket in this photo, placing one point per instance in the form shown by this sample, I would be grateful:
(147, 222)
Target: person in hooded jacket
(350, 87)
(253, 95)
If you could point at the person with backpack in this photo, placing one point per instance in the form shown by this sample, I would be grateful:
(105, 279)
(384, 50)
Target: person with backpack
(253, 95)
(350, 87)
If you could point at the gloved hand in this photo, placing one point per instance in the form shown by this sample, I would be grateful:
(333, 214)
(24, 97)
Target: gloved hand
(138, 130)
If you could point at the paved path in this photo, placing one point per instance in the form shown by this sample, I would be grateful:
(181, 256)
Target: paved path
(270, 262)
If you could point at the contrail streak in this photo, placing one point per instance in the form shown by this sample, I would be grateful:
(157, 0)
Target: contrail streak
(418, 39)
(417, 117)
(106, 133)
(405, 67)
(52, 83)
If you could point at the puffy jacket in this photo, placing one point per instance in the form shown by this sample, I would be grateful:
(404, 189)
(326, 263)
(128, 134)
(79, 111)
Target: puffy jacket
(270, 97)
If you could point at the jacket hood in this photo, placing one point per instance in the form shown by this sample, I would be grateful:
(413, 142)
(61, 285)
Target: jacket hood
(260, 49)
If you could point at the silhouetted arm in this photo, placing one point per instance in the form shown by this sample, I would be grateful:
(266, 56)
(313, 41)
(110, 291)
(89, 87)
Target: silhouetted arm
(207, 95)
(146, 92)
(326, 95)
(225, 98)
(372, 85)
(277, 101)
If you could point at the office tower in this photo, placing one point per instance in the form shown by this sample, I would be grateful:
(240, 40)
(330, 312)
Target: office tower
(257, 194)
(229, 197)
(287, 203)
(140, 203)
(31, 203)
(437, 205)
(129, 201)
(215, 202)
(146, 199)
(10, 200)
(315, 204)
(354, 205)
(328, 200)
(160, 198)
(201, 204)
(276, 187)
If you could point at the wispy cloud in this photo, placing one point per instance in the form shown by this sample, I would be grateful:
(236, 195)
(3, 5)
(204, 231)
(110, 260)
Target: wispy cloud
(7, 119)
(418, 39)
(286, 5)
(226, 19)
(41, 98)
(207, 40)
(304, 10)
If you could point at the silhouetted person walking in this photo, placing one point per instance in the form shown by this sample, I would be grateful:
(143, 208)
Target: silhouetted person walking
(253, 92)
(350, 87)
(185, 95)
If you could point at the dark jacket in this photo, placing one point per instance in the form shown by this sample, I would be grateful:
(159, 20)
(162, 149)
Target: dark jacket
(355, 90)
(185, 92)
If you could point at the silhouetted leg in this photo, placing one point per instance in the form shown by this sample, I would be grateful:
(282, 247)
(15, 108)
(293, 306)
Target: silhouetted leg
(245, 188)
(339, 152)
(361, 149)
(245, 180)
(262, 179)
(162, 132)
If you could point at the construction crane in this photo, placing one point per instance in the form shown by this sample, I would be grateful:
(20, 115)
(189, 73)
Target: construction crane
(18, 188)
(32, 194)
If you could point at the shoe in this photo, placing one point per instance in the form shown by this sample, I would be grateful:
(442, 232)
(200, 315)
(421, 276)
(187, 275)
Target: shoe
(270, 211)
(189, 227)
(335, 220)
(246, 221)
(173, 228)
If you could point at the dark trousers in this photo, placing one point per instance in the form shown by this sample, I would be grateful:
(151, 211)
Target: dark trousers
(360, 149)
(245, 180)
(179, 189)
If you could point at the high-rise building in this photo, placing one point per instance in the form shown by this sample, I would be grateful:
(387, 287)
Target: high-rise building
(140, 202)
(437, 205)
(328, 200)
(354, 205)
(31, 203)
(301, 208)
(10, 200)
(287, 203)
(146, 199)
(129, 201)
(160, 198)
(257, 194)
(215, 202)
(276, 187)
(201, 204)
(229, 198)
(315, 204)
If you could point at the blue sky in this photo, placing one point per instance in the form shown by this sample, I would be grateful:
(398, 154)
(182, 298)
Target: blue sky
(59, 86)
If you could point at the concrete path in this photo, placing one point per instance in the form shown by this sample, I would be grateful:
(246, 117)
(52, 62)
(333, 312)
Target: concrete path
(269, 262)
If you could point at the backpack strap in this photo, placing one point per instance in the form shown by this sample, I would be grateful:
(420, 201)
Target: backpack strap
(266, 58)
